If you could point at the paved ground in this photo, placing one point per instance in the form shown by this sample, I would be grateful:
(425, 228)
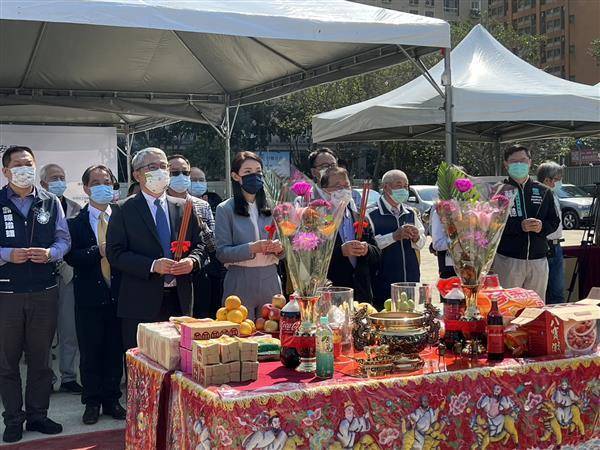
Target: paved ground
(67, 409)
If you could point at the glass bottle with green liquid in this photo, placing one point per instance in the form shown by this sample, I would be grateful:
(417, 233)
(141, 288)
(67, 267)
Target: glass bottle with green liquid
(324, 344)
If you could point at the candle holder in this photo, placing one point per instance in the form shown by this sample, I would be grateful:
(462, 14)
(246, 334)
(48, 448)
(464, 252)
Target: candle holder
(305, 335)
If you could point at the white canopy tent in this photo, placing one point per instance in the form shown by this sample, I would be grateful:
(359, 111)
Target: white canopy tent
(497, 97)
(141, 63)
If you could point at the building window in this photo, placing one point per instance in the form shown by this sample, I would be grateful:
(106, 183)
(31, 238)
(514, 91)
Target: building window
(430, 3)
(413, 2)
(451, 6)
(414, 11)
(429, 13)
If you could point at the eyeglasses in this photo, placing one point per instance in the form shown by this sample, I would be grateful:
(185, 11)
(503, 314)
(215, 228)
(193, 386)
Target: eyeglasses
(154, 166)
(176, 173)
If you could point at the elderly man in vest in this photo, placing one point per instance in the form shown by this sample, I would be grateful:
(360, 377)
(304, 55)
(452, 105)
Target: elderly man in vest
(52, 178)
(33, 237)
(399, 234)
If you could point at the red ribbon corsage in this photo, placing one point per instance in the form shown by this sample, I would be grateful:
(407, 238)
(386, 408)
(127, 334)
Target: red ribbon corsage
(358, 225)
(271, 229)
(181, 246)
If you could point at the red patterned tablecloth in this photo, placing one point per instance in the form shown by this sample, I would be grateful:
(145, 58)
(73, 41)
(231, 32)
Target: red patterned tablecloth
(148, 386)
(517, 404)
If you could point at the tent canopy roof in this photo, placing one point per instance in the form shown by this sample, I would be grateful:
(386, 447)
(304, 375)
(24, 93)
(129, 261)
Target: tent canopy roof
(188, 60)
(496, 97)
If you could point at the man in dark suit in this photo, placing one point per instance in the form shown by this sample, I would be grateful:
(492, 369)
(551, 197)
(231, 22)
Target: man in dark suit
(352, 261)
(96, 288)
(141, 231)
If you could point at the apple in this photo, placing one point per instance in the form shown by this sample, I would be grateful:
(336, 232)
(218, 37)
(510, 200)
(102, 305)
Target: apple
(278, 301)
(266, 309)
(260, 323)
(271, 326)
(275, 314)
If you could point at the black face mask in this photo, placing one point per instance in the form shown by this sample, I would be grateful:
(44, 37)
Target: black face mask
(252, 183)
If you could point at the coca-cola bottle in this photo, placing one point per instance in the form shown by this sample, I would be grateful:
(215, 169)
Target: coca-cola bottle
(289, 323)
(495, 333)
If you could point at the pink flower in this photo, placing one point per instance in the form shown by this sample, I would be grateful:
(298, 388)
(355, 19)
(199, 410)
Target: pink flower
(388, 435)
(320, 203)
(463, 185)
(282, 210)
(458, 403)
(305, 242)
(533, 400)
(445, 207)
(302, 188)
(502, 200)
(484, 216)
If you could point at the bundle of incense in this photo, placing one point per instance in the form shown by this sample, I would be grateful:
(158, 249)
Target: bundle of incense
(363, 209)
(181, 244)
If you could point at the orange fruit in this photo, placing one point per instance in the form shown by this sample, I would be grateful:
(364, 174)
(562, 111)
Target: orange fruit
(232, 302)
(246, 329)
(235, 316)
(244, 311)
(249, 322)
(222, 314)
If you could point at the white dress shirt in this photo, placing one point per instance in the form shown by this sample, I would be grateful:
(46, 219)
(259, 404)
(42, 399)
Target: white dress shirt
(260, 259)
(163, 203)
(439, 238)
(94, 215)
(558, 233)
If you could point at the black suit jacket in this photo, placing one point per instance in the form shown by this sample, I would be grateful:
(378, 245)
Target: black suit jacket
(342, 273)
(132, 245)
(88, 283)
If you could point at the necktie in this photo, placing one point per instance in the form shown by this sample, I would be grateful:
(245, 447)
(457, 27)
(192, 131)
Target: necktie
(164, 235)
(102, 227)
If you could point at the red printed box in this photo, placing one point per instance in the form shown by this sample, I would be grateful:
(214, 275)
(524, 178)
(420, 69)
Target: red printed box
(564, 329)
(206, 330)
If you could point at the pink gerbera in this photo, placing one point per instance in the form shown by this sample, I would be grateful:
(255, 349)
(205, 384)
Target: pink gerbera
(463, 185)
(305, 242)
(302, 188)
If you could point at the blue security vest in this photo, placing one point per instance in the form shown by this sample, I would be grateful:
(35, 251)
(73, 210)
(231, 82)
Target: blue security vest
(35, 230)
(399, 261)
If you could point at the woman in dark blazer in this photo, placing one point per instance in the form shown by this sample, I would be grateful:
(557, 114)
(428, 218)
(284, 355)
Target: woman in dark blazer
(242, 241)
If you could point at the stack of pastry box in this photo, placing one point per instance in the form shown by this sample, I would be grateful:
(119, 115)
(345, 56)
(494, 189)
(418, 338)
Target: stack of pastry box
(214, 353)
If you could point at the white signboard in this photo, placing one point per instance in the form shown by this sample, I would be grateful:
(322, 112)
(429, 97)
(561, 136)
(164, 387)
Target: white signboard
(72, 148)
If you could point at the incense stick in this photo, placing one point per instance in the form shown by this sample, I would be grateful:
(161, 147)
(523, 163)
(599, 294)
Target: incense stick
(363, 209)
(185, 222)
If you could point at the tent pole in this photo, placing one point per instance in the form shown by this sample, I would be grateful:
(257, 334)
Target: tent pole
(128, 154)
(498, 165)
(227, 136)
(447, 82)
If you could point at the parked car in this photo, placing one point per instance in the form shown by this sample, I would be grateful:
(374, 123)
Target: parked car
(422, 197)
(575, 205)
(589, 188)
(373, 195)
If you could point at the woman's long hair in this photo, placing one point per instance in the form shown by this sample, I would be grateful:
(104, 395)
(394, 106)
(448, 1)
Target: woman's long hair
(239, 202)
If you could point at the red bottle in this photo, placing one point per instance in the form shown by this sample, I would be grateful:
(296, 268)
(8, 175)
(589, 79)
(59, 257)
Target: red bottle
(495, 334)
(289, 324)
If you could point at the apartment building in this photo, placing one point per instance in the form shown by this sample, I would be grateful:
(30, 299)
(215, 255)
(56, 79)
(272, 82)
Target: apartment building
(569, 27)
(449, 10)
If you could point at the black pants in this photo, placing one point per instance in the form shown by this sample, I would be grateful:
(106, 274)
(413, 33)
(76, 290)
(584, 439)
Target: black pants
(101, 354)
(27, 324)
(170, 307)
(202, 295)
(444, 270)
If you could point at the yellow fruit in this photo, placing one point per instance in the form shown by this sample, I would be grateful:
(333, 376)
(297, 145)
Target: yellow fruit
(222, 314)
(249, 322)
(244, 311)
(235, 316)
(232, 302)
(246, 329)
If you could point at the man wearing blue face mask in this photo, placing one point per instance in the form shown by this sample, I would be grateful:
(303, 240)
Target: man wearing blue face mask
(52, 178)
(198, 185)
(179, 186)
(96, 286)
(521, 258)
(399, 234)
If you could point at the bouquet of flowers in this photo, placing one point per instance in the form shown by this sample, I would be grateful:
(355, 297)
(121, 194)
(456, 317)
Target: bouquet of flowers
(307, 226)
(473, 218)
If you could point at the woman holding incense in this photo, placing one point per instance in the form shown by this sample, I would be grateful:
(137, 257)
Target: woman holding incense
(355, 254)
(243, 243)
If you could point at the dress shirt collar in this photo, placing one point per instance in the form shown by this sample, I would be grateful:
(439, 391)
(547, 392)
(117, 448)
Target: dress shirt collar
(12, 194)
(400, 209)
(95, 212)
(150, 200)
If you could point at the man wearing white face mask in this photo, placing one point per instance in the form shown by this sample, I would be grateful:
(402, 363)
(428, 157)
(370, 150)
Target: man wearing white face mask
(399, 233)
(140, 236)
(52, 178)
(179, 169)
(33, 238)
(96, 292)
